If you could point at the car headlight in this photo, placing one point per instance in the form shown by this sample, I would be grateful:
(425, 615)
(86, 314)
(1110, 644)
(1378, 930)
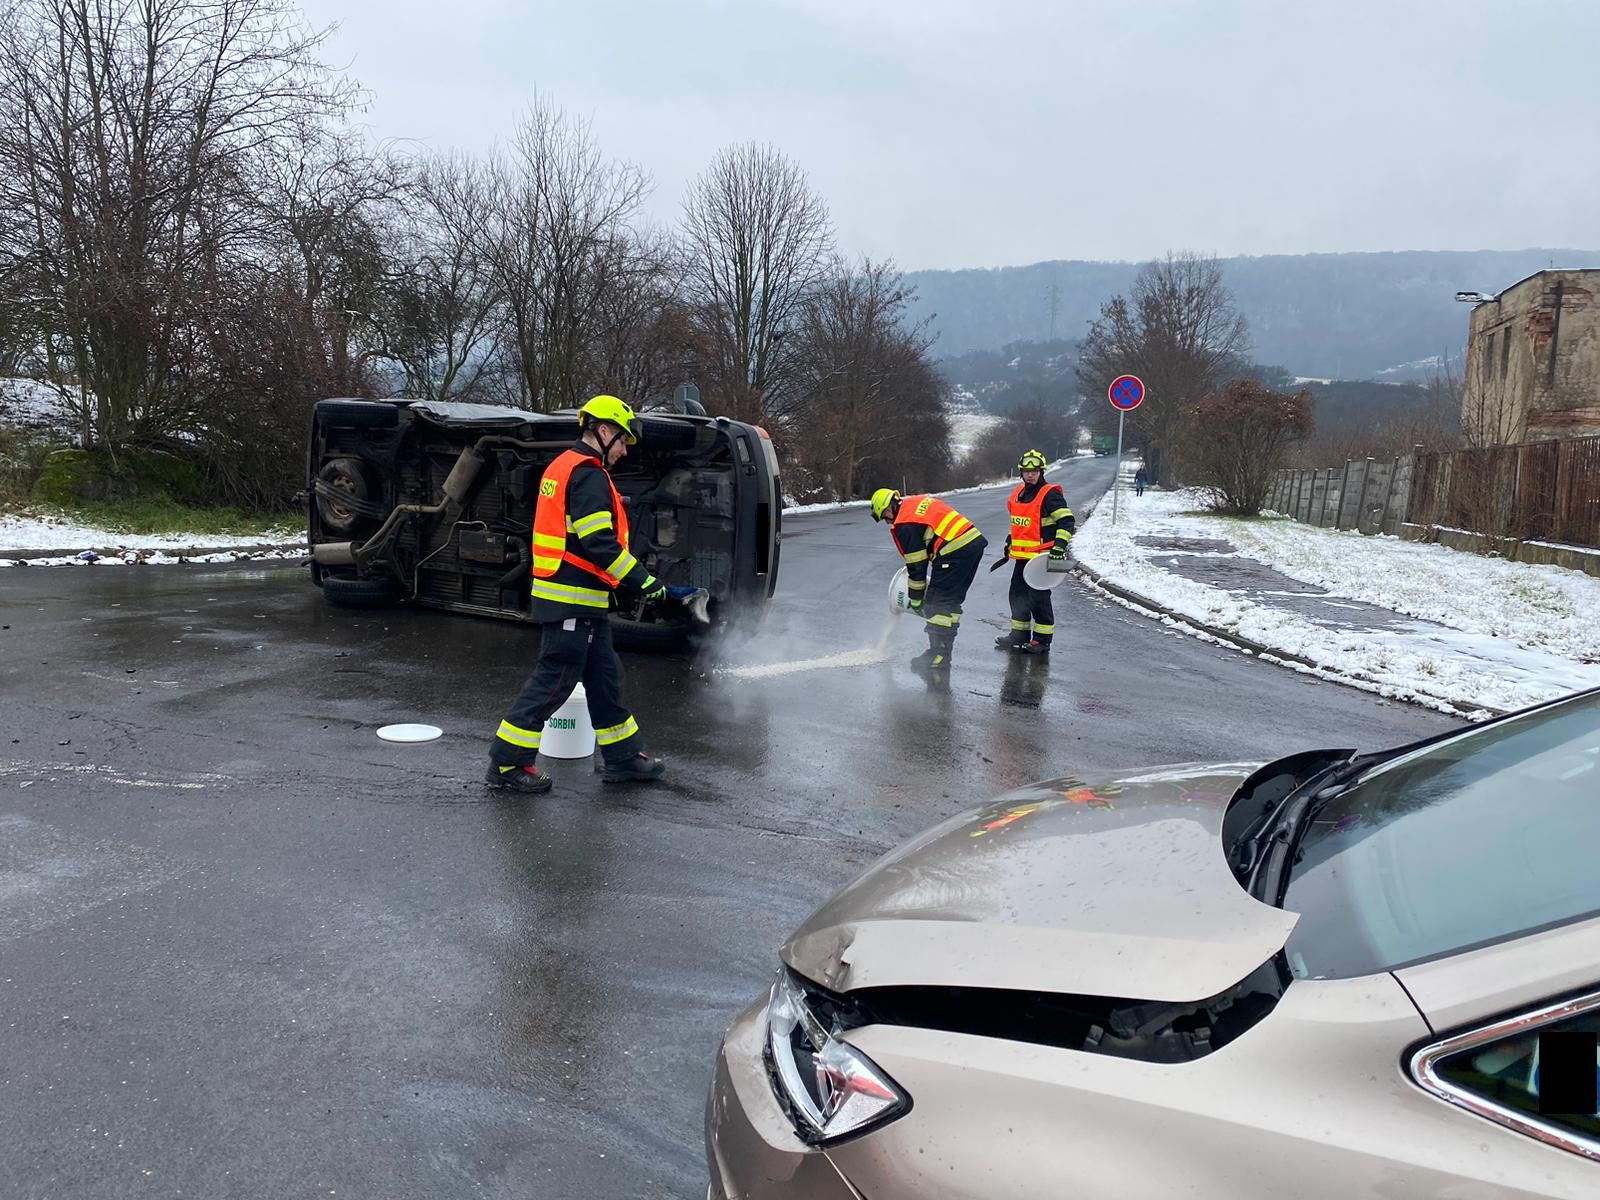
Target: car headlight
(830, 1089)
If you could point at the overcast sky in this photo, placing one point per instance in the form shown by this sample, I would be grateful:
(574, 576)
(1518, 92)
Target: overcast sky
(995, 132)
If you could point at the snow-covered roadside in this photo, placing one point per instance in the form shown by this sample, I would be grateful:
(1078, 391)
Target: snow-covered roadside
(1502, 635)
(29, 534)
(157, 558)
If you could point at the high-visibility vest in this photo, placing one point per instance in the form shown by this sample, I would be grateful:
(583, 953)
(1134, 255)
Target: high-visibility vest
(552, 524)
(1027, 523)
(947, 524)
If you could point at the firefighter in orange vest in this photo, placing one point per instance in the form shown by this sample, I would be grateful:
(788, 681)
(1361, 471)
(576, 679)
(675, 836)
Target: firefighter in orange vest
(1041, 523)
(943, 551)
(580, 560)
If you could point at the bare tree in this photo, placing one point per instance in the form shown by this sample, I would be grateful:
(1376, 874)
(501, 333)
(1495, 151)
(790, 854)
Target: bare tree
(861, 380)
(332, 204)
(759, 241)
(443, 315)
(559, 218)
(129, 138)
(1179, 331)
(645, 341)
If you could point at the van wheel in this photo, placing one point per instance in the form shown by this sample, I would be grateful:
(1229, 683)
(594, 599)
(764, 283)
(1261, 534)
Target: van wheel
(343, 491)
(359, 593)
(358, 414)
(648, 635)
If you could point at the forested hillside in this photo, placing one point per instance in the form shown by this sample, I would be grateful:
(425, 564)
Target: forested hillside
(1341, 316)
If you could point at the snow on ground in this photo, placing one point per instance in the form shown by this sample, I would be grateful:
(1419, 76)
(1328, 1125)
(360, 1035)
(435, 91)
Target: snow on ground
(34, 405)
(137, 557)
(24, 533)
(1482, 632)
(967, 426)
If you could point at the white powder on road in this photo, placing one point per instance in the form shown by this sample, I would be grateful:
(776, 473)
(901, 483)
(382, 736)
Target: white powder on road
(867, 656)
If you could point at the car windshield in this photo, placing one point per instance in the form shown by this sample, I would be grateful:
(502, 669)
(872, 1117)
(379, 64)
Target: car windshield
(1465, 842)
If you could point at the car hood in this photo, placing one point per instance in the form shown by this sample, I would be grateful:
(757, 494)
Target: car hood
(1115, 887)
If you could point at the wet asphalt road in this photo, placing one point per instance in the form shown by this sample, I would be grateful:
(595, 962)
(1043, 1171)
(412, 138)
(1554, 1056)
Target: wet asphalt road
(247, 949)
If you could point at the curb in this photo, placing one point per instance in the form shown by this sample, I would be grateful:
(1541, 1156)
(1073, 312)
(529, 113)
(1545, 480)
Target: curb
(174, 551)
(1361, 682)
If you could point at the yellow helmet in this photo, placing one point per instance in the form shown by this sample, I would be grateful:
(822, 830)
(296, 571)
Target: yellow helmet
(881, 500)
(609, 408)
(1033, 460)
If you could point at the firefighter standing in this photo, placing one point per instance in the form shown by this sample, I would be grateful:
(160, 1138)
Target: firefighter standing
(1041, 523)
(943, 551)
(580, 560)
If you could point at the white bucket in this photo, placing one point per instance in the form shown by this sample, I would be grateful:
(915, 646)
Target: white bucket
(1036, 573)
(899, 593)
(569, 733)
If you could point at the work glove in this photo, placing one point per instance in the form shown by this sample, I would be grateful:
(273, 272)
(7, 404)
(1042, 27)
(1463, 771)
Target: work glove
(1058, 552)
(654, 590)
(916, 604)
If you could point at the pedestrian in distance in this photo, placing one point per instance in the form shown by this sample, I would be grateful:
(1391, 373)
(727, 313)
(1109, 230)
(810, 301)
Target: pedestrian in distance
(581, 561)
(1139, 480)
(942, 551)
(1041, 523)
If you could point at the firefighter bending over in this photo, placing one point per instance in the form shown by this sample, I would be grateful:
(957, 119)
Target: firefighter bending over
(943, 551)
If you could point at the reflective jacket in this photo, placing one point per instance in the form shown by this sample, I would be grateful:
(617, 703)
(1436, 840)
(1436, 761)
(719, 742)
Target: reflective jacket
(1038, 514)
(926, 527)
(580, 540)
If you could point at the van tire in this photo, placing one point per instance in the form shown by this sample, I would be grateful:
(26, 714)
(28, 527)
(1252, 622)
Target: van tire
(358, 414)
(648, 635)
(359, 593)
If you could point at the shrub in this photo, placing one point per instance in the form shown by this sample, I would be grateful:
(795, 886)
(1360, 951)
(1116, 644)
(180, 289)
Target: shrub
(1235, 440)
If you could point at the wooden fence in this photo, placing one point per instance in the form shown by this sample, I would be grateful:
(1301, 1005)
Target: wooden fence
(1367, 494)
(1534, 492)
(1538, 491)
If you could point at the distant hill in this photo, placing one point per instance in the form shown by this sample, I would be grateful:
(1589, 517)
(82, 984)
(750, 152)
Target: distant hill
(1339, 316)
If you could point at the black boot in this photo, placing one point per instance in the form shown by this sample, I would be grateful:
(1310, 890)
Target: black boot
(641, 768)
(1011, 641)
(1034, 647)
(530, 781)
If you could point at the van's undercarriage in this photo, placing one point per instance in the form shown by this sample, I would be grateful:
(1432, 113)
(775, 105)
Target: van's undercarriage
(434, 503)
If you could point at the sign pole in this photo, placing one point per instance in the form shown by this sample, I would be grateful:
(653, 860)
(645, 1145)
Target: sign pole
(1125, 393)
(1116, 479)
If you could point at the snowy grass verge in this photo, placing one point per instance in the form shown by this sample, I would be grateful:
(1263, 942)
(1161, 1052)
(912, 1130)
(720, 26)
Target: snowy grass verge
(30, 534)
(1487, 633)
(156, 558)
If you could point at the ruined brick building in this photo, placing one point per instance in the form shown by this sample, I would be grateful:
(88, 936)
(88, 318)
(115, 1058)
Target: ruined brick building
(1533, 361)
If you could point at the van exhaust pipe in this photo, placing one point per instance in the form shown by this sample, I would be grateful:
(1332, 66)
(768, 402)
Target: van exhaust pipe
(334, 554)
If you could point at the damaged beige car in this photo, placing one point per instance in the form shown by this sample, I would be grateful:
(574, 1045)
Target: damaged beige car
(1329, 976)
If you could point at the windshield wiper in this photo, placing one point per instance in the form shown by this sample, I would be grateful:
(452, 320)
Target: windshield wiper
(1271, 850)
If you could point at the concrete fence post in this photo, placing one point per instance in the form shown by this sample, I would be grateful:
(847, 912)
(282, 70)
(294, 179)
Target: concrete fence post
(1361, 502)
(1388, 496)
